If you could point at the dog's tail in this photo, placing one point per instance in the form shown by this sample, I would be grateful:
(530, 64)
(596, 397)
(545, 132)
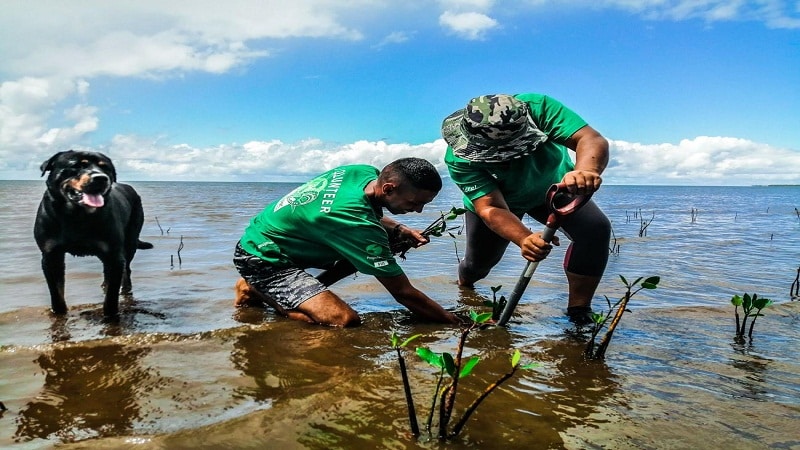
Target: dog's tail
(142, 245)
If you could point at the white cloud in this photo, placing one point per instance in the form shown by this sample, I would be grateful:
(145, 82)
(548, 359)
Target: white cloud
(396, 37)
(138, 158)
(774, 13)
(29, 106)
(150, 38)
(703, 160)
(49, 49)
(469, 25)
(700, 161)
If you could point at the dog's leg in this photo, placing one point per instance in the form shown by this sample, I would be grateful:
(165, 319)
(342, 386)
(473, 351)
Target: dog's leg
(127, 286)
(133, 230)
(53, 268)
(130, 252)
(113, 269)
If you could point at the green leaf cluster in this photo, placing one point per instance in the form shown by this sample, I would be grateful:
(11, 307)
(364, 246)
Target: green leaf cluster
(497, 305)
(597, 350)
(439, 226)
(455, 368)
(396, 340)
(751, 307)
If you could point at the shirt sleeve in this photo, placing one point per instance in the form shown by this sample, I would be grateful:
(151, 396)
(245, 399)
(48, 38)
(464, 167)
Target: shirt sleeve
(552, 117)
(474, 182)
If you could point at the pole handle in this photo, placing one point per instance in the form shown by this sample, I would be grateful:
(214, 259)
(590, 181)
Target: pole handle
(522, 282)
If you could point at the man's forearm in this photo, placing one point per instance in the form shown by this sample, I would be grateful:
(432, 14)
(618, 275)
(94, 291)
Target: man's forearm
(425, 307)
(505, 224)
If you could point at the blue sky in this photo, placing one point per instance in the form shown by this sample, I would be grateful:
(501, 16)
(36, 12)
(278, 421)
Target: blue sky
(698, 92)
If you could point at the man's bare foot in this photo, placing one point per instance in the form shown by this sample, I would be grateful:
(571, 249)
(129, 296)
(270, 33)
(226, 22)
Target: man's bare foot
(246, 295)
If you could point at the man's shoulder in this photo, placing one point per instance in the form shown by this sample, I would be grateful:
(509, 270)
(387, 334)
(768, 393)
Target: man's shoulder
(539, 101)
(358, 168)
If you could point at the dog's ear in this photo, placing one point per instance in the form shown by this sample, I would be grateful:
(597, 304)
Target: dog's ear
(112, 171)
(48, 165)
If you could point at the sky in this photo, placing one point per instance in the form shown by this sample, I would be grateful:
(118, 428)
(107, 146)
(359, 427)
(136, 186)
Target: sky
(688, 92)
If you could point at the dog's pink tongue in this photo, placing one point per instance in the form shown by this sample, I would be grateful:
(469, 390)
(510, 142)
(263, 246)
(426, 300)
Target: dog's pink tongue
(93, 200)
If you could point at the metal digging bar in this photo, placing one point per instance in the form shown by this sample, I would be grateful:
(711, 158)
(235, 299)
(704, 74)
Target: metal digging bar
(560, 203)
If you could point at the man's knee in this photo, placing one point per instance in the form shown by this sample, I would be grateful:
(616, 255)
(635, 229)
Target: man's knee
(469, 273)
(340, 318)
(347, 319)
(327, 308)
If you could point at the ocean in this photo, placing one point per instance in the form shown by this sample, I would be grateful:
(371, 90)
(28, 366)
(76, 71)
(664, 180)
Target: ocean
(184, 368)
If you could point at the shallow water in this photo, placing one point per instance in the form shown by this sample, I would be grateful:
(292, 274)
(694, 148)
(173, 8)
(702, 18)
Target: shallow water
(184, 369)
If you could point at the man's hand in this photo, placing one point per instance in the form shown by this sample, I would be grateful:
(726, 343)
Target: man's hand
(534, 248)
(582, 182)
(412, 237)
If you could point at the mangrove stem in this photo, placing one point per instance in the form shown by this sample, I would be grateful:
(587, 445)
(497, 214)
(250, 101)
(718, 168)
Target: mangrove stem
(472, 407)
(412, 413)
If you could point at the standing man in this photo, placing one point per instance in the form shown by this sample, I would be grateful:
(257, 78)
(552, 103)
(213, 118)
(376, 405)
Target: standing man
(504, 153)
(336, 222)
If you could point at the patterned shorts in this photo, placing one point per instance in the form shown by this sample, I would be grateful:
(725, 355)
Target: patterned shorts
(286, 287)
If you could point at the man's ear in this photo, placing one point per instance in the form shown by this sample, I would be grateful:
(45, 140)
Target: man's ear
(388, 188)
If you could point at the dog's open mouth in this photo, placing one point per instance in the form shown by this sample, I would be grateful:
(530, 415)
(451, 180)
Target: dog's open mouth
(85, 198)
(87, 190)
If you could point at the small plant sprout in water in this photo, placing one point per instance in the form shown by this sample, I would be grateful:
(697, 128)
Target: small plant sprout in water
(615, 312)
(497, 305)
(437, 228)
(412, 413)
(643, 224)
(454, 368)
(751, 307)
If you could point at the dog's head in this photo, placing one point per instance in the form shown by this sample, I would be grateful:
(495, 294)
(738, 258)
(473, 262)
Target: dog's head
(80, 178)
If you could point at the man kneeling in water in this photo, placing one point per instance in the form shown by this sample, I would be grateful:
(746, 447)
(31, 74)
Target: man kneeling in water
(336, 222)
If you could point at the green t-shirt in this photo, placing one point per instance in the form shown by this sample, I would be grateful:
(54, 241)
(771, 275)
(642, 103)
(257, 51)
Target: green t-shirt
(524, 181)
(325, 220)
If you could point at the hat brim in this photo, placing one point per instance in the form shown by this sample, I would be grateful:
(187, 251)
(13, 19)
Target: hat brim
(479, 149)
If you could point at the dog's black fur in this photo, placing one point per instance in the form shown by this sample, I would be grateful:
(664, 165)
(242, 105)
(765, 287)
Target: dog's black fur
(84, 211)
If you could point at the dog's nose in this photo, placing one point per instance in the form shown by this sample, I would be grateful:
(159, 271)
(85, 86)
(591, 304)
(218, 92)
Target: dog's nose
(98, 180)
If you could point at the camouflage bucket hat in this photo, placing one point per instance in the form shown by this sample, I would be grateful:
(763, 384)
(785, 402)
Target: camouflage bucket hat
(492, 128)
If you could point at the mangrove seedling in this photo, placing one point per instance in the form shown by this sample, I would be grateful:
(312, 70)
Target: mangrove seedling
(599, 320)
(497, 305)
(456, 368)
(412, 413)
(436, 228)
(515, 364)
(643, 224)
(751, 307)
(614, 247)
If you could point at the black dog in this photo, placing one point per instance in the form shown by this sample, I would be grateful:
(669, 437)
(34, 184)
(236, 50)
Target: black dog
(86, 212)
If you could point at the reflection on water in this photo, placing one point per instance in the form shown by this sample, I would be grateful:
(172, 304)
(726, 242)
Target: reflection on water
(89, 391)
(283, 363)
(754, 367)
(283, 384)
